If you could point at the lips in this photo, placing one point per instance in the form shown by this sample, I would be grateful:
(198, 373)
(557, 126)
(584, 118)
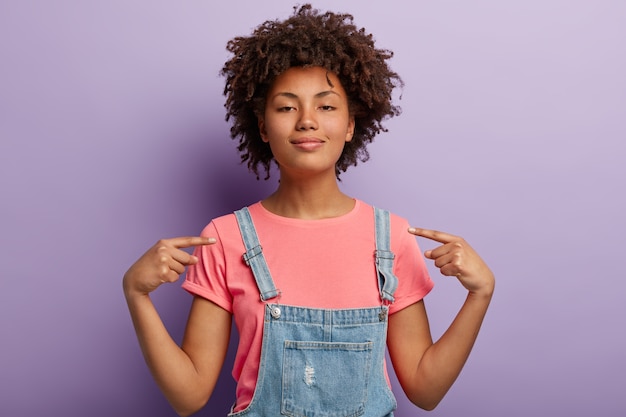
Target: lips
(307, 144)
(301, 141)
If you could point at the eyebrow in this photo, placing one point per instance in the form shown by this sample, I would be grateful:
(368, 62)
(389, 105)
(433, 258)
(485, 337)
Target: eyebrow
(295, 96)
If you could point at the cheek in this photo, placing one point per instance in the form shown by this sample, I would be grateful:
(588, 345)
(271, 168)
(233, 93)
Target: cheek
(277, 129)
(343, 131)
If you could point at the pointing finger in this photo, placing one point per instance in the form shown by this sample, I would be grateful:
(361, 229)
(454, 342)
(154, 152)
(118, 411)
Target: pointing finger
(181, 243)
(435, 235)
(188, 241)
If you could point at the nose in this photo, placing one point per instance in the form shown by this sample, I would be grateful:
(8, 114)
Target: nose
(307, 120)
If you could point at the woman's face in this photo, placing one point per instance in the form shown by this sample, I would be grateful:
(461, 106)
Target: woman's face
(306, 120)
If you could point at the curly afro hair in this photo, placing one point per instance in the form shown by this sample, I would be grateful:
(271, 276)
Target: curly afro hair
(308, 38)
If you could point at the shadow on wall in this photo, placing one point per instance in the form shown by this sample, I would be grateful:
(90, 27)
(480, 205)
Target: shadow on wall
(220, 184)
(225, 184)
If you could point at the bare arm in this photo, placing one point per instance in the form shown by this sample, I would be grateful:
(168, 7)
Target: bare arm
(187, 374)
(427, 370)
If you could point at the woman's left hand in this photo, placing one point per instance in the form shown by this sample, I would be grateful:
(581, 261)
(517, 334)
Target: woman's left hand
(455, 257)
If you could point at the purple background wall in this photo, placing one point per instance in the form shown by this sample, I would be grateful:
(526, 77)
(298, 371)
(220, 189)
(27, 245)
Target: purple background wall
(112, 136)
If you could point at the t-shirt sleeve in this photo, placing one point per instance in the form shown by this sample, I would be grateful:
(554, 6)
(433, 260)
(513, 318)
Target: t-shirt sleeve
(207, 278)
(414, 282)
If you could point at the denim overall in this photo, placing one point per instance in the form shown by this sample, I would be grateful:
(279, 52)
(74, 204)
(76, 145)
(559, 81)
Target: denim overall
(320, 362)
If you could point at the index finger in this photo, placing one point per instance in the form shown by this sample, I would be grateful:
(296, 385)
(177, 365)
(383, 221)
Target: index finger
(435, 235)
(189, 241)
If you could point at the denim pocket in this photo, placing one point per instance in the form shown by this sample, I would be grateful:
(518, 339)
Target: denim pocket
(325, 379)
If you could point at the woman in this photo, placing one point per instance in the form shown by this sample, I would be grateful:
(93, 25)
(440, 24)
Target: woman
(316, 280)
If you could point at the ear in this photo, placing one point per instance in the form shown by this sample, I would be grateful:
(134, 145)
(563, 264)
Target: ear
(350, 131)
(262, 131)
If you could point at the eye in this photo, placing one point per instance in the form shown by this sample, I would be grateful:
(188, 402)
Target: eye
(327, 108)
(286, 109)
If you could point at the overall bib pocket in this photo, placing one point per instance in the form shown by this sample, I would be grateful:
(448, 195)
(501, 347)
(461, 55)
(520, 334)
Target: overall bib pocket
(325, 379)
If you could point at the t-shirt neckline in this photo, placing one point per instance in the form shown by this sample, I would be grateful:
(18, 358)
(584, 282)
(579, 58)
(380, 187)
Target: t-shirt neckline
(260, 209)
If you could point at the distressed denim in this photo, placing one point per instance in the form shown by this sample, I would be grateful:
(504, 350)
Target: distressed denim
(321, 362)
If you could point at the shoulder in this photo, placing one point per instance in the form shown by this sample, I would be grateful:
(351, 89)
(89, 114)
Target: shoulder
(397, 222)
(225, 229)
(401, 240)
(227, 223)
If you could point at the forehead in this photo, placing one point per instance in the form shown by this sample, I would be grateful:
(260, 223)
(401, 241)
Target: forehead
(307, 80)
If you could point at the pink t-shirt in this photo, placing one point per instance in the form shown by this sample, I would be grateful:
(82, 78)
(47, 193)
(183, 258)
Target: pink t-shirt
(326, 263)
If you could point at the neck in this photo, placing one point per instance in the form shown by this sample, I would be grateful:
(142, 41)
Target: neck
(309, 199)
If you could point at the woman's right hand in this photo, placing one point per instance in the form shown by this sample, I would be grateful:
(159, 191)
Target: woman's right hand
(163, 262)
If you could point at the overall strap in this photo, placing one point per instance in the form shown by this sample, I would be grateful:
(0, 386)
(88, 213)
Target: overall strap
(387, 281)
(253, 257)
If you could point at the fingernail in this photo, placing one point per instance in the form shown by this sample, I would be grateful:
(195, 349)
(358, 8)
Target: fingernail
(411, 229)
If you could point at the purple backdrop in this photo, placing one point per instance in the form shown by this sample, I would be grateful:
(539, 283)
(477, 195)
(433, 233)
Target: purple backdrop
(112, 136)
